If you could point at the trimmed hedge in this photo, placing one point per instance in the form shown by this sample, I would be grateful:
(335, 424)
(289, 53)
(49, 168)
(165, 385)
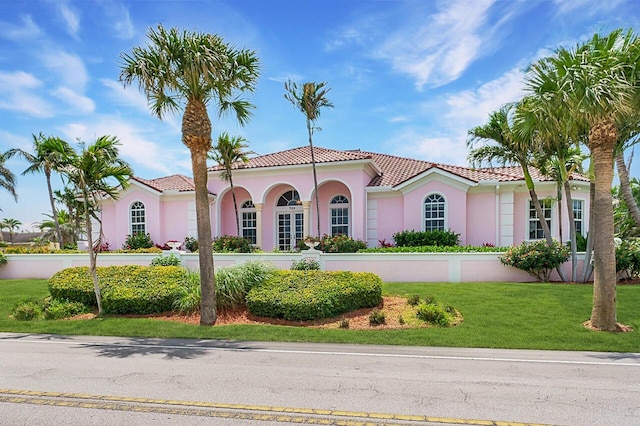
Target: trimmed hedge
(129, 289)
(435, 249)
(426, 238)
(309, 295)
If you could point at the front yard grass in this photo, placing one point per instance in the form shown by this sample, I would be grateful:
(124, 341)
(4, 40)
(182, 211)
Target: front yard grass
(496, 315)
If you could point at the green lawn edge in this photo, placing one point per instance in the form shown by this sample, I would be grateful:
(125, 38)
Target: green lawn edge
(545, 316)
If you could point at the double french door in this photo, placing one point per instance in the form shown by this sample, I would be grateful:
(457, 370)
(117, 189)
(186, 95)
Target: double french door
(290, 230)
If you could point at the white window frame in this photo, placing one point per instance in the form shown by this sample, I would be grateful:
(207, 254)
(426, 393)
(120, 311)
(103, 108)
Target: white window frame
(445, 212)
(133, 207)
(248, 214)
(580, 220)
(530, 220)
(333, 206)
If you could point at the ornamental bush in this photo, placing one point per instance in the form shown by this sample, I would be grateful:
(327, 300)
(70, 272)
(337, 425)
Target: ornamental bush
(129, 289)
(310, 295)
(3, 259)
(340, 244)
(190, 244)
(628, 259)
(138, 240)
(306, 264)
(536, 258)
(426, 238)
(171, 260)
(435, 249)
(231, 244)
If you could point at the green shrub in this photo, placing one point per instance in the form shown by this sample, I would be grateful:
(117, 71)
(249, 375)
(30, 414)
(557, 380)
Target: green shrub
(435, 249)
(16, 250)
(628, 259)
(129, 289)
(377, 317)
(3, 259)
(426, 238)
(434, 313)
(189, 294)
(27, 311)
(340, 244)
(191, 244)
(344, 323)
(58, 309)
(233, 282)
(306, 264)
(309, 295)
(171, 260)
(138, 241)
(231, 244)
(155, 250)
(537, 258)
(413, 300)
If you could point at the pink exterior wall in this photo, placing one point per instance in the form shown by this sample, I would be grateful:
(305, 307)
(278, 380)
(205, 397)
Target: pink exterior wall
(390, 211)
(481, 218)
(175, 221)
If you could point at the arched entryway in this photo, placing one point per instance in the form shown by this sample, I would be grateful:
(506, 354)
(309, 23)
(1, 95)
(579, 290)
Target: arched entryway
(289, 220)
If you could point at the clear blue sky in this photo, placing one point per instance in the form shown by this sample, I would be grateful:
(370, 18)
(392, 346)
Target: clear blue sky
(408, 78)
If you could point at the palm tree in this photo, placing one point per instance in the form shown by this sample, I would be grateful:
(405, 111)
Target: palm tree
(596, 83)
(195, 69)
(49, 154)
(11, 225)
(309, 99)
(7, 178)
(92, 171)
(227, 152)
(64, 223)
(74, 207)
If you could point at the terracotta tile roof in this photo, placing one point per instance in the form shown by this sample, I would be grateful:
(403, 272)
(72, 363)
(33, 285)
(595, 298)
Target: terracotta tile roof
(298, 156)
(395, 170)
(179, 183)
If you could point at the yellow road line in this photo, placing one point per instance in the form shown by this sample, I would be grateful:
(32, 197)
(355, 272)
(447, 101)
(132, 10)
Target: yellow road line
(240, 411)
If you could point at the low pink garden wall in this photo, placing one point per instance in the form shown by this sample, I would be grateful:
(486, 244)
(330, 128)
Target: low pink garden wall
(391, 267)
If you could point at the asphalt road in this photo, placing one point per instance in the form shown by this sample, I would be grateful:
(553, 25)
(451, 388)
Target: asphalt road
(75, 380)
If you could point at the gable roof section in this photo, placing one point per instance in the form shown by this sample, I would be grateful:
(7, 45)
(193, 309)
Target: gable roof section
(178, 183)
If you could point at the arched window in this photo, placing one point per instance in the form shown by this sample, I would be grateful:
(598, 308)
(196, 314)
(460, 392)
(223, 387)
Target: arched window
(435, 213)
(339, 215)
(289, 198)
(138, 219)
(249, 221)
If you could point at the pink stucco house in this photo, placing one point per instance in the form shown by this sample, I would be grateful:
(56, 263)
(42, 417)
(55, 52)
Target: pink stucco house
(367, 195)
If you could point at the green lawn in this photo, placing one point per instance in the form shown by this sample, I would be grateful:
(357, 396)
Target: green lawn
(496, 315)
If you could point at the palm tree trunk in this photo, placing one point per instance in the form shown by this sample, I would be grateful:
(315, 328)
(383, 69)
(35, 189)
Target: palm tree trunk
(93, 259)
(625, 188)
(587, 268)
(315, 177)
(572, 232)
(559, 192)
(235, 205)
(602, 140)
(196, 135)
(47, 174)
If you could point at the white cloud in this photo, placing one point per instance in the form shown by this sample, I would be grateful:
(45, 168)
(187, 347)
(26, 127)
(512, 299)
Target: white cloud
(445, 141)
(17, 93)
(69, 69)
(27, 31)
(136, 147)
(130, 96)
(438, 49)
(79, 102)
(70, 17)
(586, 7)
(120, 19)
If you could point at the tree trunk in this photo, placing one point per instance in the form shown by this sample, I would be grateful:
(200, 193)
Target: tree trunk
(235, 204)
(47, 174)
(545, 227)
(572, 232)
(625, 189)
(315, 177)
(587, 268)
(93, 259)
(602, 140)
(196, 135)
(559, 192)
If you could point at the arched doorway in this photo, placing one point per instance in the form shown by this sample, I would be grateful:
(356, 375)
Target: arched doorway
(289, 220)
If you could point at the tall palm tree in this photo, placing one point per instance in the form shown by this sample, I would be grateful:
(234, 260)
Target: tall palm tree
(508, 148)
(74, 207)
(227, 152)
(7, 178)
(64, 223)
(49, 154)
(97, 171)
(11, 225)
(596, 83)
(309, 99)
(195, 69)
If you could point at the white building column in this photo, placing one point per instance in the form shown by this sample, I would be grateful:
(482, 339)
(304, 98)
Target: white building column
(258, 224)
(306, 219)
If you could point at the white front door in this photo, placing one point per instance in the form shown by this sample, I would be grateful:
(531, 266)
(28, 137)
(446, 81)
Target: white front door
(290, 229)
